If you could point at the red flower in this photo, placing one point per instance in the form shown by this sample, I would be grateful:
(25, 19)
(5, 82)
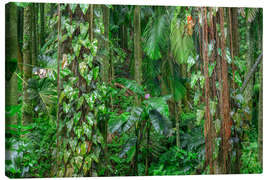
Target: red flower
(189, 19)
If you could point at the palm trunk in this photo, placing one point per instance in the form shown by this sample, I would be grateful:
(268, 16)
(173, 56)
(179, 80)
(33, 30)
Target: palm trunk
(27, 64)
(34, 34)
(137, 48)
(42, 25)
(137, 72)
(11, 56)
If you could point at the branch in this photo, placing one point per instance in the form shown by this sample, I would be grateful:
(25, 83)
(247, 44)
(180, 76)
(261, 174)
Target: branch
(251, 73)
(123, 87)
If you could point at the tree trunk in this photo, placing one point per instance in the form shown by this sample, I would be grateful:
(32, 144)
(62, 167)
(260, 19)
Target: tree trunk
(226, 121)
(27, 64)
(137, 70)
(42, 25)
(34, 35)
(260, 114)
(105, 62)
(207, 124)
(11, 60)
(137, 48)
(91, 22)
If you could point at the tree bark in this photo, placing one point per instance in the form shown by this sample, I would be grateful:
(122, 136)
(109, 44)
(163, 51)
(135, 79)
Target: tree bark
(34, 34)
(137, 49)
(27, 64)
(226, 121)
(105, 62)
(248, 93)
(11, 59)
(42, 25)
(207, 124)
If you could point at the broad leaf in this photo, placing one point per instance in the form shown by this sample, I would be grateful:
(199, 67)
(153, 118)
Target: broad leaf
(133, 118)
(160, 123)
(130, 143)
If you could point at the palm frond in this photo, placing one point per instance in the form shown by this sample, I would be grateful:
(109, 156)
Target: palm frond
(249, 13)
(155, 36)
(181, 44)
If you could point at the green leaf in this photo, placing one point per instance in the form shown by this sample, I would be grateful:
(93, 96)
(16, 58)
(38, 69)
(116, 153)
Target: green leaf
(83, 148)
(73, 143)
(115, 122)
(108, 5)
(159, 104)
(155, 36)
(135, 116)
(73, 7)
(78, 131)
(66, 107)
(213, 106)
(80, 102)
(95, 72)
(160, 123)
(84, 8)
(76, 47)
(90, 118)
(69, 126)
(200, 115)
(228, 56)
(211, 68)
(66, 156)
(77, 117)
(22, 4)
(132, 85)
(129, 144)
(84, 29)
(83, 69)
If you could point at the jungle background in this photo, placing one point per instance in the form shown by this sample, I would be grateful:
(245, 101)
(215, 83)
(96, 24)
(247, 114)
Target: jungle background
(121, 90)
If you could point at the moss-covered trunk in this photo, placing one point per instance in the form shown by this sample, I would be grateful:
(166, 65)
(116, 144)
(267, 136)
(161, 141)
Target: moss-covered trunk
(27, 64)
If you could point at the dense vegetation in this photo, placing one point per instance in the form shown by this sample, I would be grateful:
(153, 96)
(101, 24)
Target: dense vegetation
(102, 90)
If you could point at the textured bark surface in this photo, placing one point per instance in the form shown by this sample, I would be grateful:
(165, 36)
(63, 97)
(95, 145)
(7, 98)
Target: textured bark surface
(207, 123)
(42, 25)
(34, 34)
(11, 57)
(226, 120)
(27, 64)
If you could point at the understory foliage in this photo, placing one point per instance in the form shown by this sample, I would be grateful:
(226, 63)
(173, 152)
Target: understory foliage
(92, 116)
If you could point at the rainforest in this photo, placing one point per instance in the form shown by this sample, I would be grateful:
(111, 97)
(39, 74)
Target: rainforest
(125, 90)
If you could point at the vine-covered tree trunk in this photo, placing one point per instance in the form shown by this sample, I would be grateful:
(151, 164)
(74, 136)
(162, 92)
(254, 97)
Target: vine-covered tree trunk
(81, 118)
(105, 61)
(11, 60)
(27, 63)
(225, 111)
(106, 73)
